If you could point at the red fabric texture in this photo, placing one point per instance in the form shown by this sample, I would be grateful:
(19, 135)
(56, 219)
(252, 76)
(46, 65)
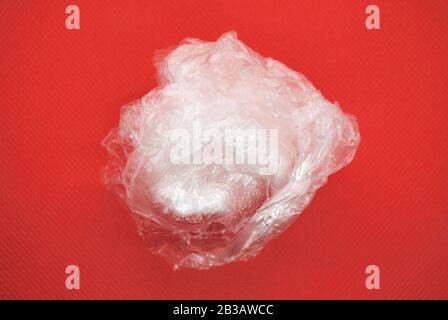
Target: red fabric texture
(61, 92)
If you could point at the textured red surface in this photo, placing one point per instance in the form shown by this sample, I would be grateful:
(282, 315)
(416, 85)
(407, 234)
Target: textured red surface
(61, 92)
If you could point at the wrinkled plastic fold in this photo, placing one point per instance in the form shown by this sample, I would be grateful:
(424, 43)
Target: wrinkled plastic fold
(203, 212)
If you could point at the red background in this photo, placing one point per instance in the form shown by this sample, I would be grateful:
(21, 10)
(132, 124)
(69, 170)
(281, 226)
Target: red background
(61, 92)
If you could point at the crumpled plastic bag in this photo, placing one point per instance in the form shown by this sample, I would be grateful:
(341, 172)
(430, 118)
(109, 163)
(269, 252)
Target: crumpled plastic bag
(224, 153)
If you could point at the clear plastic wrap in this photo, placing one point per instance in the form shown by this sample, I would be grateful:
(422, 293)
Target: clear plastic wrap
(217, 200)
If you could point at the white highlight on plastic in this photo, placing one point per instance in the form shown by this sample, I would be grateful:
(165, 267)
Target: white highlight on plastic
(233, 146)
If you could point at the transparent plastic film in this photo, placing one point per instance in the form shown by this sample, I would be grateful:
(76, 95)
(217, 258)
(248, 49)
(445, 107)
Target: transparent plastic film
(224, 153)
